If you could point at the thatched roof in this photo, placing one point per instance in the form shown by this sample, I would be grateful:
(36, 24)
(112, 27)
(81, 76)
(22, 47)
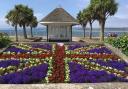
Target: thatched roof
(58, 15)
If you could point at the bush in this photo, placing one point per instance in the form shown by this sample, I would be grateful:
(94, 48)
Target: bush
(120, 42)
(4, 40)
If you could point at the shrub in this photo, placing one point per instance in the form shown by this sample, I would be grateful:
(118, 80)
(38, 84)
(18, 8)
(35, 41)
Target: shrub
(4, 40)
(120, 42)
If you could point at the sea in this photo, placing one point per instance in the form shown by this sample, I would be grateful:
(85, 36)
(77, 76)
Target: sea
(76, 31)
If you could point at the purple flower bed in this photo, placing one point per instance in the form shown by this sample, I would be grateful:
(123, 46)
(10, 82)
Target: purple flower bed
(74, 46)
(16, 50)
(29, 75)
(120, 65)
(42, 46)
(7, 63)
(100, 50)
(79, 74)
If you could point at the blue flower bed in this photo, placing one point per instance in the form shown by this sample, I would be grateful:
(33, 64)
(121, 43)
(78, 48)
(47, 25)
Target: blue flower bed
(120, 65)
(6, 63)
(74, 46)
(43, 46)
(16, 50)
(100, 50)
(79, 74)
(29, 75)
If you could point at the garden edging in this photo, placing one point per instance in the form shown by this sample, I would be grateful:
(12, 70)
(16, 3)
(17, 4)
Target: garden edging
(2, 50)
(117, 52)
(67, 86)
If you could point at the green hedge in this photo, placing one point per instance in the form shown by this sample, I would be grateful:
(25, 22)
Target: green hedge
(4, 40)
(120, 42)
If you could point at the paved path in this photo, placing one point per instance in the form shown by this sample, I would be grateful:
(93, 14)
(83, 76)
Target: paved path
(68, 86)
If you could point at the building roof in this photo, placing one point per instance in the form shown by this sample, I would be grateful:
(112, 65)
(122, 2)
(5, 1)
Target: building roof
(59, 15)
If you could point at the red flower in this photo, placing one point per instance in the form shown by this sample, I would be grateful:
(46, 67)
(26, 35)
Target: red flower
(58, 65)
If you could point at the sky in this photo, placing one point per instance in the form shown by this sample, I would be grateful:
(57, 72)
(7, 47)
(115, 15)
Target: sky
(43, 7)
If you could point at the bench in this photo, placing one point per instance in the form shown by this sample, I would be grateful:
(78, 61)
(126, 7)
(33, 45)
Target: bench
(35, 39)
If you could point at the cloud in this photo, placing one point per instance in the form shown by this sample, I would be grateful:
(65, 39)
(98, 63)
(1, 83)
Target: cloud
(117, 22)
(3, 23)
(122, 16)
(39, 16)
(126, 6)
(122, 12)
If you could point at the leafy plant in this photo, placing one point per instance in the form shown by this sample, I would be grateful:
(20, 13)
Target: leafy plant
(4, 40)
(120, 42)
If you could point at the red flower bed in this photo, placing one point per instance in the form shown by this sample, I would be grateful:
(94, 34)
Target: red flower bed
(58, 65)
(102, 56)
(22, 55)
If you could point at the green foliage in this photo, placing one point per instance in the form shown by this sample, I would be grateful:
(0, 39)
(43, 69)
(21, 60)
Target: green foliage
(98, 10)
(22, 16)
(110, 40)
(4, 40)
(82, 19)
(13, 19)
(121, 42)
(25, 15)
(2, 71)
(10, 69)
(34, 22)
(104, 8)
(89, 13)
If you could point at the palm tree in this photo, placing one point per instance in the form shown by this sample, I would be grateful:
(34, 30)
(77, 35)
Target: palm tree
(82, 20)
(90, 15)
(25, 15)
(13, 19)
(33, 24)
(104, 9)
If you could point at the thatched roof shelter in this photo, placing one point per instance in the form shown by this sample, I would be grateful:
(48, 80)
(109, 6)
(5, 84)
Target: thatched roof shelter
(59, 25)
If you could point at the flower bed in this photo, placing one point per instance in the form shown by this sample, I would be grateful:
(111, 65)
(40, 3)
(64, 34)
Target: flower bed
(58, 63)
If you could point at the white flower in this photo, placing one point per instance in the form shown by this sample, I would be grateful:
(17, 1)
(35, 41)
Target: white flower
(127, 77)
(93, 63)
(110, 67)
(60, 44)
(115, 70)
(90, 88)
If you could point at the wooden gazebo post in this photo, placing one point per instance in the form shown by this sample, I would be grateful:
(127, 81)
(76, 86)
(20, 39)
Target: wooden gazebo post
(47, 32)
(71, 32)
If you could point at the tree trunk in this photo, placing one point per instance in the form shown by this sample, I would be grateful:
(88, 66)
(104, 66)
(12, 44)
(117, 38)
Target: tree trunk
(16, 33)
(102, 25)
(25, 34)
(90, 36)
(31, 32)
(84, 30)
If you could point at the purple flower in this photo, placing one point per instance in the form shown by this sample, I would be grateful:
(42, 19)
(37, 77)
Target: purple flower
(74, 46)
(120, 65)
(6, 63)
(79, 74)
(100, 50)
(42, 46)
(16, 50)
(30, 75)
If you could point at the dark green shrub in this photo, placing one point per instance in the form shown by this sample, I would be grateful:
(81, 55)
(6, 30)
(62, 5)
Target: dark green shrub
(110, 40)
(4, 40)
(120, 42)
